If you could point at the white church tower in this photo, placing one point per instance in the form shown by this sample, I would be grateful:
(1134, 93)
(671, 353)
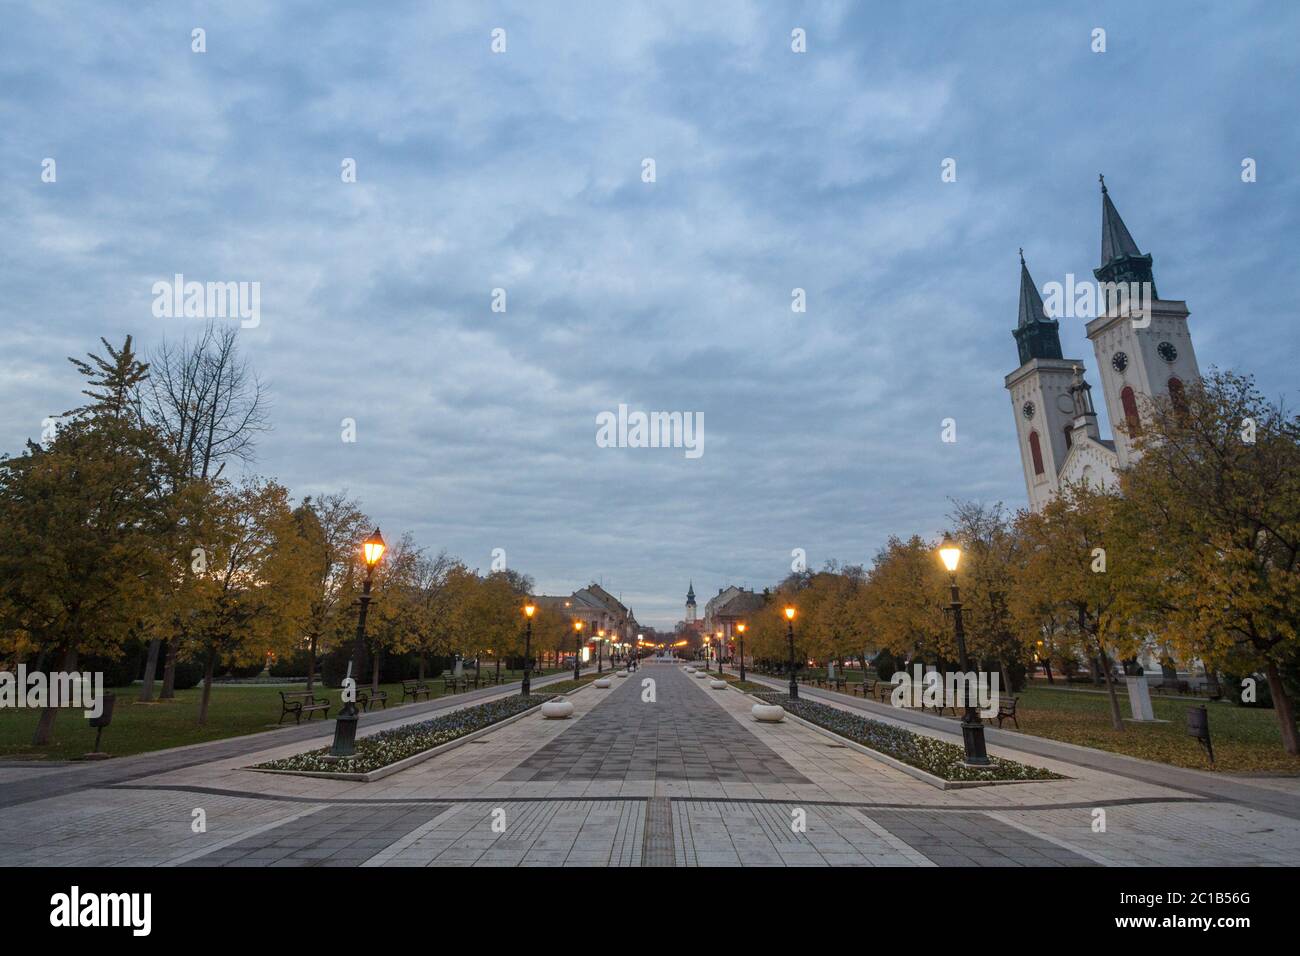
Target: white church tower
(1142, 347)
(1040, 394)
(1145, 354)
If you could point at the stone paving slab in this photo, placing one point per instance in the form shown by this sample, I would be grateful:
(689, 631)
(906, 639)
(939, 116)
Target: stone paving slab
(688, 780)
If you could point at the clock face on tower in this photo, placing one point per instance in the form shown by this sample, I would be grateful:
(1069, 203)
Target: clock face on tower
(1027, 410)
(1167, 351)
(1119, 361)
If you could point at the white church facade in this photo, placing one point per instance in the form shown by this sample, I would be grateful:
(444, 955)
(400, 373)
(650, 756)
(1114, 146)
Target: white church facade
(1142, 348)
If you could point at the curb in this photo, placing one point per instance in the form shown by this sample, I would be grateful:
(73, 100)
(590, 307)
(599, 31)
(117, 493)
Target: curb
(370, 776)
(923, 775)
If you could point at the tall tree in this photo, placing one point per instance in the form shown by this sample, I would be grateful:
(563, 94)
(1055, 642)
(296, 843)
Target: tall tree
(332, 528)
(1080, 558)
(256, 591)
(207, 405)
(80, 525)
(1215, 500)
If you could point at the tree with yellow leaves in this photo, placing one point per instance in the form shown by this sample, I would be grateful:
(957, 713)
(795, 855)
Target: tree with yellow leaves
(1079, 559)
(1215, 501)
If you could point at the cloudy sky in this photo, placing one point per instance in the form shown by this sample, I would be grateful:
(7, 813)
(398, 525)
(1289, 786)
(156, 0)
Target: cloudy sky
(522, 170)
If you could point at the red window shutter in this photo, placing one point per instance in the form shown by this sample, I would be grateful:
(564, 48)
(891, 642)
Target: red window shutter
(1129, 401)
(1176, 395)
(1036, 453)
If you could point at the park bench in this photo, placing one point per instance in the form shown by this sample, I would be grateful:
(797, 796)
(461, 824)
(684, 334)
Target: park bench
(365, 698)
(301, 702)
(414, 688)
(1007, 711)
(865, 689)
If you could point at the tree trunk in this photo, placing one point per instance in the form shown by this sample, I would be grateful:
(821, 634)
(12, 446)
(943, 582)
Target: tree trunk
(207, 686)
(498, 668)
(169, 670)
(422, 655)
(150, 669)
(311, 662)
(1116, 718)
(1047, 669)
(1283, 708)
(374, 673)
(45, 725)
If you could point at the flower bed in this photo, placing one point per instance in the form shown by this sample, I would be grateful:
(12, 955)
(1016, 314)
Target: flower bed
(937, 757)
(390, 746)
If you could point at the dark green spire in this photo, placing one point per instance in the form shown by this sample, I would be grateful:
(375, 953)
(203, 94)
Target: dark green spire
(1120, 259)
(1035, 333)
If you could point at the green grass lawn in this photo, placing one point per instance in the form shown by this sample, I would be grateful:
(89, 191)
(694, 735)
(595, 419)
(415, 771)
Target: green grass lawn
(1246, 739)
(234, 709)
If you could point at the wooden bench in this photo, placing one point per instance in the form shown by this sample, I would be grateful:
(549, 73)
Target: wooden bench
(452, 684)
(414, 688)
(1006, 711)
(365, 698)
(865, 689)
(299, 702)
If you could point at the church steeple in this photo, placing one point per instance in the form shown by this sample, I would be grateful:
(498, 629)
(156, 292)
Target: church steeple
(690, 603)
(1036, 335)
(1120, 259)
(690, 593)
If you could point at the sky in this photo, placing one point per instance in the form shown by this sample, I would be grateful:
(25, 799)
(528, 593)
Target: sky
(523, 170)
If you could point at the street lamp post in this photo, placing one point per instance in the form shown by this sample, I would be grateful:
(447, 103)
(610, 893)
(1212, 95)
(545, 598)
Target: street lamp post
(527, 687)
(600, 651)
(972, 731)
(789, 634)
(577, 650)
(708, 653)
(740, 638)
(345, 724)
(722, 646)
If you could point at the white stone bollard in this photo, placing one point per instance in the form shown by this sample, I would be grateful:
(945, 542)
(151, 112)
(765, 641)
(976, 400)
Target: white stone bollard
(558, 709)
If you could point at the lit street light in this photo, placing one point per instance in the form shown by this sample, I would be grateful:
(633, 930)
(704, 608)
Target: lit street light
(345, 724)
(600, 655)
(529, 610)
(789, 633)
(972, 731)
(740, 637)
(577, 650)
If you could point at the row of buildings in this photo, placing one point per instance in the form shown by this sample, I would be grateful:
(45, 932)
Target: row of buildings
(598, 610)
(729, 607)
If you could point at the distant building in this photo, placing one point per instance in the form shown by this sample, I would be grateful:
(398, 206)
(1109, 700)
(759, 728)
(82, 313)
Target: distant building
(731, 606)
(598, 610)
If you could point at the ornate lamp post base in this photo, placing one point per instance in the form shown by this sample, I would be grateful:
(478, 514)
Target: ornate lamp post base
(345, 734)
(972, 735)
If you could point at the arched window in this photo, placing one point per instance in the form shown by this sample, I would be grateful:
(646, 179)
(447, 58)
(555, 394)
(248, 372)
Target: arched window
(1176, 395)
(1129, 401)
(1069, 439)
(1036, 453)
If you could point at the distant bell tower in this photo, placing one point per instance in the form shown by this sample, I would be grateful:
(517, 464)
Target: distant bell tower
(690, 603)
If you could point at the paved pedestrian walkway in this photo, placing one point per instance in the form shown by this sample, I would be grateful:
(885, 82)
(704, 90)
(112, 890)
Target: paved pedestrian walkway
(659, 769)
